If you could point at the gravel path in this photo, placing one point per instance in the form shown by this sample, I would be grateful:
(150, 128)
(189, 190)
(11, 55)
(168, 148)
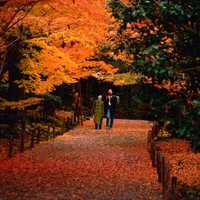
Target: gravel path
(84, 164)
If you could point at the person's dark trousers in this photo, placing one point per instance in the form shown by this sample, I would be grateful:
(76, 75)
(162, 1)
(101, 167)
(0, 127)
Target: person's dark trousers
(109, 118)
(111, 121)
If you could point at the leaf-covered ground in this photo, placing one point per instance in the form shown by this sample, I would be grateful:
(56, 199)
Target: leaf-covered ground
(84, 164)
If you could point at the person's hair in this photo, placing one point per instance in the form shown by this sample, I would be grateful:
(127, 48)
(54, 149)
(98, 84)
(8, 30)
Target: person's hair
(100, 97)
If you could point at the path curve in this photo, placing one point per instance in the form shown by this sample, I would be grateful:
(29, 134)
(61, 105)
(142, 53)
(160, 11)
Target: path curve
(84, 164)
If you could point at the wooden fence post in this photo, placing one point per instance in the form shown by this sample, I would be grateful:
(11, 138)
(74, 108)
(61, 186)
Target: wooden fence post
(166, 177)
(67, 123)
(151, 153)
(158, 165)
(153, 156)
(54, 130)
(163, 174)
(22, 136)
(38, 135)
(22, 141)
(32, 139)
(48, 132)
(149, 141)
(63, 126)
(10, 145)
(173, 185)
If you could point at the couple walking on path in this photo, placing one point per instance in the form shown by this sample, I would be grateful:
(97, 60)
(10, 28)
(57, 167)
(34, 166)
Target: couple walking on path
(105, 107)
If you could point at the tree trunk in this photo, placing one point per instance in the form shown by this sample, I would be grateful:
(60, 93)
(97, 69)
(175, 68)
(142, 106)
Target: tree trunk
(12, 60)
(157, 8)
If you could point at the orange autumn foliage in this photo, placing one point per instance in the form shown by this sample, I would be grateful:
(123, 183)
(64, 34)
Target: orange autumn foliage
(47, 68)
(186, 168)
(182, 163)
(76, 28)
(68, 33)
(172, 146)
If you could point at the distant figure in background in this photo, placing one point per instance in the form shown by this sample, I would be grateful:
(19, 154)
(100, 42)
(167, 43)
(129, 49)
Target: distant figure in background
(110, 107)
(91, 106)
(98, 112)
(78, 109)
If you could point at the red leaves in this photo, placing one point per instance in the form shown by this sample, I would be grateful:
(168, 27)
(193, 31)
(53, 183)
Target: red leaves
(173, 146)
(187, 168)
(181, 163)
(84, 164)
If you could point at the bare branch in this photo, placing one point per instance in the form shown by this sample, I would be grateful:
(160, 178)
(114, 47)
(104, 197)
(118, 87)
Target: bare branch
(11, 23)
(191, 69)
(4, 56)
(2, 64)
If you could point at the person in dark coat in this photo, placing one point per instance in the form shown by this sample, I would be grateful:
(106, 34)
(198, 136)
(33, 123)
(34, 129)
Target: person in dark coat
(110, 108)
(78, 108)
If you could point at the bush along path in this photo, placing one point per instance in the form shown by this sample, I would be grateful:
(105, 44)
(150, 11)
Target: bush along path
(85, 164)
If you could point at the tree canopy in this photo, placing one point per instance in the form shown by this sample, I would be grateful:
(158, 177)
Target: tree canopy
(52, 41)
(159, 40)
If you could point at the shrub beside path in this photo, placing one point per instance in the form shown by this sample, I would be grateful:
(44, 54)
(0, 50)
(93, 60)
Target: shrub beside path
(84, 164)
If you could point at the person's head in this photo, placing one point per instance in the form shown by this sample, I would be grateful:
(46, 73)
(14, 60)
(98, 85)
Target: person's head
(100, 97)
(77, 94)
(110, 92)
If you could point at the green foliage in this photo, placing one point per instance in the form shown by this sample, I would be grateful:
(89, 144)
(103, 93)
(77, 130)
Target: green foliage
(118, 9)
(152, 100)
(190, 125)
(51, 102)
(173, 12)
(179, 12)
(159, 69)
(4, 88)
(165, 49)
